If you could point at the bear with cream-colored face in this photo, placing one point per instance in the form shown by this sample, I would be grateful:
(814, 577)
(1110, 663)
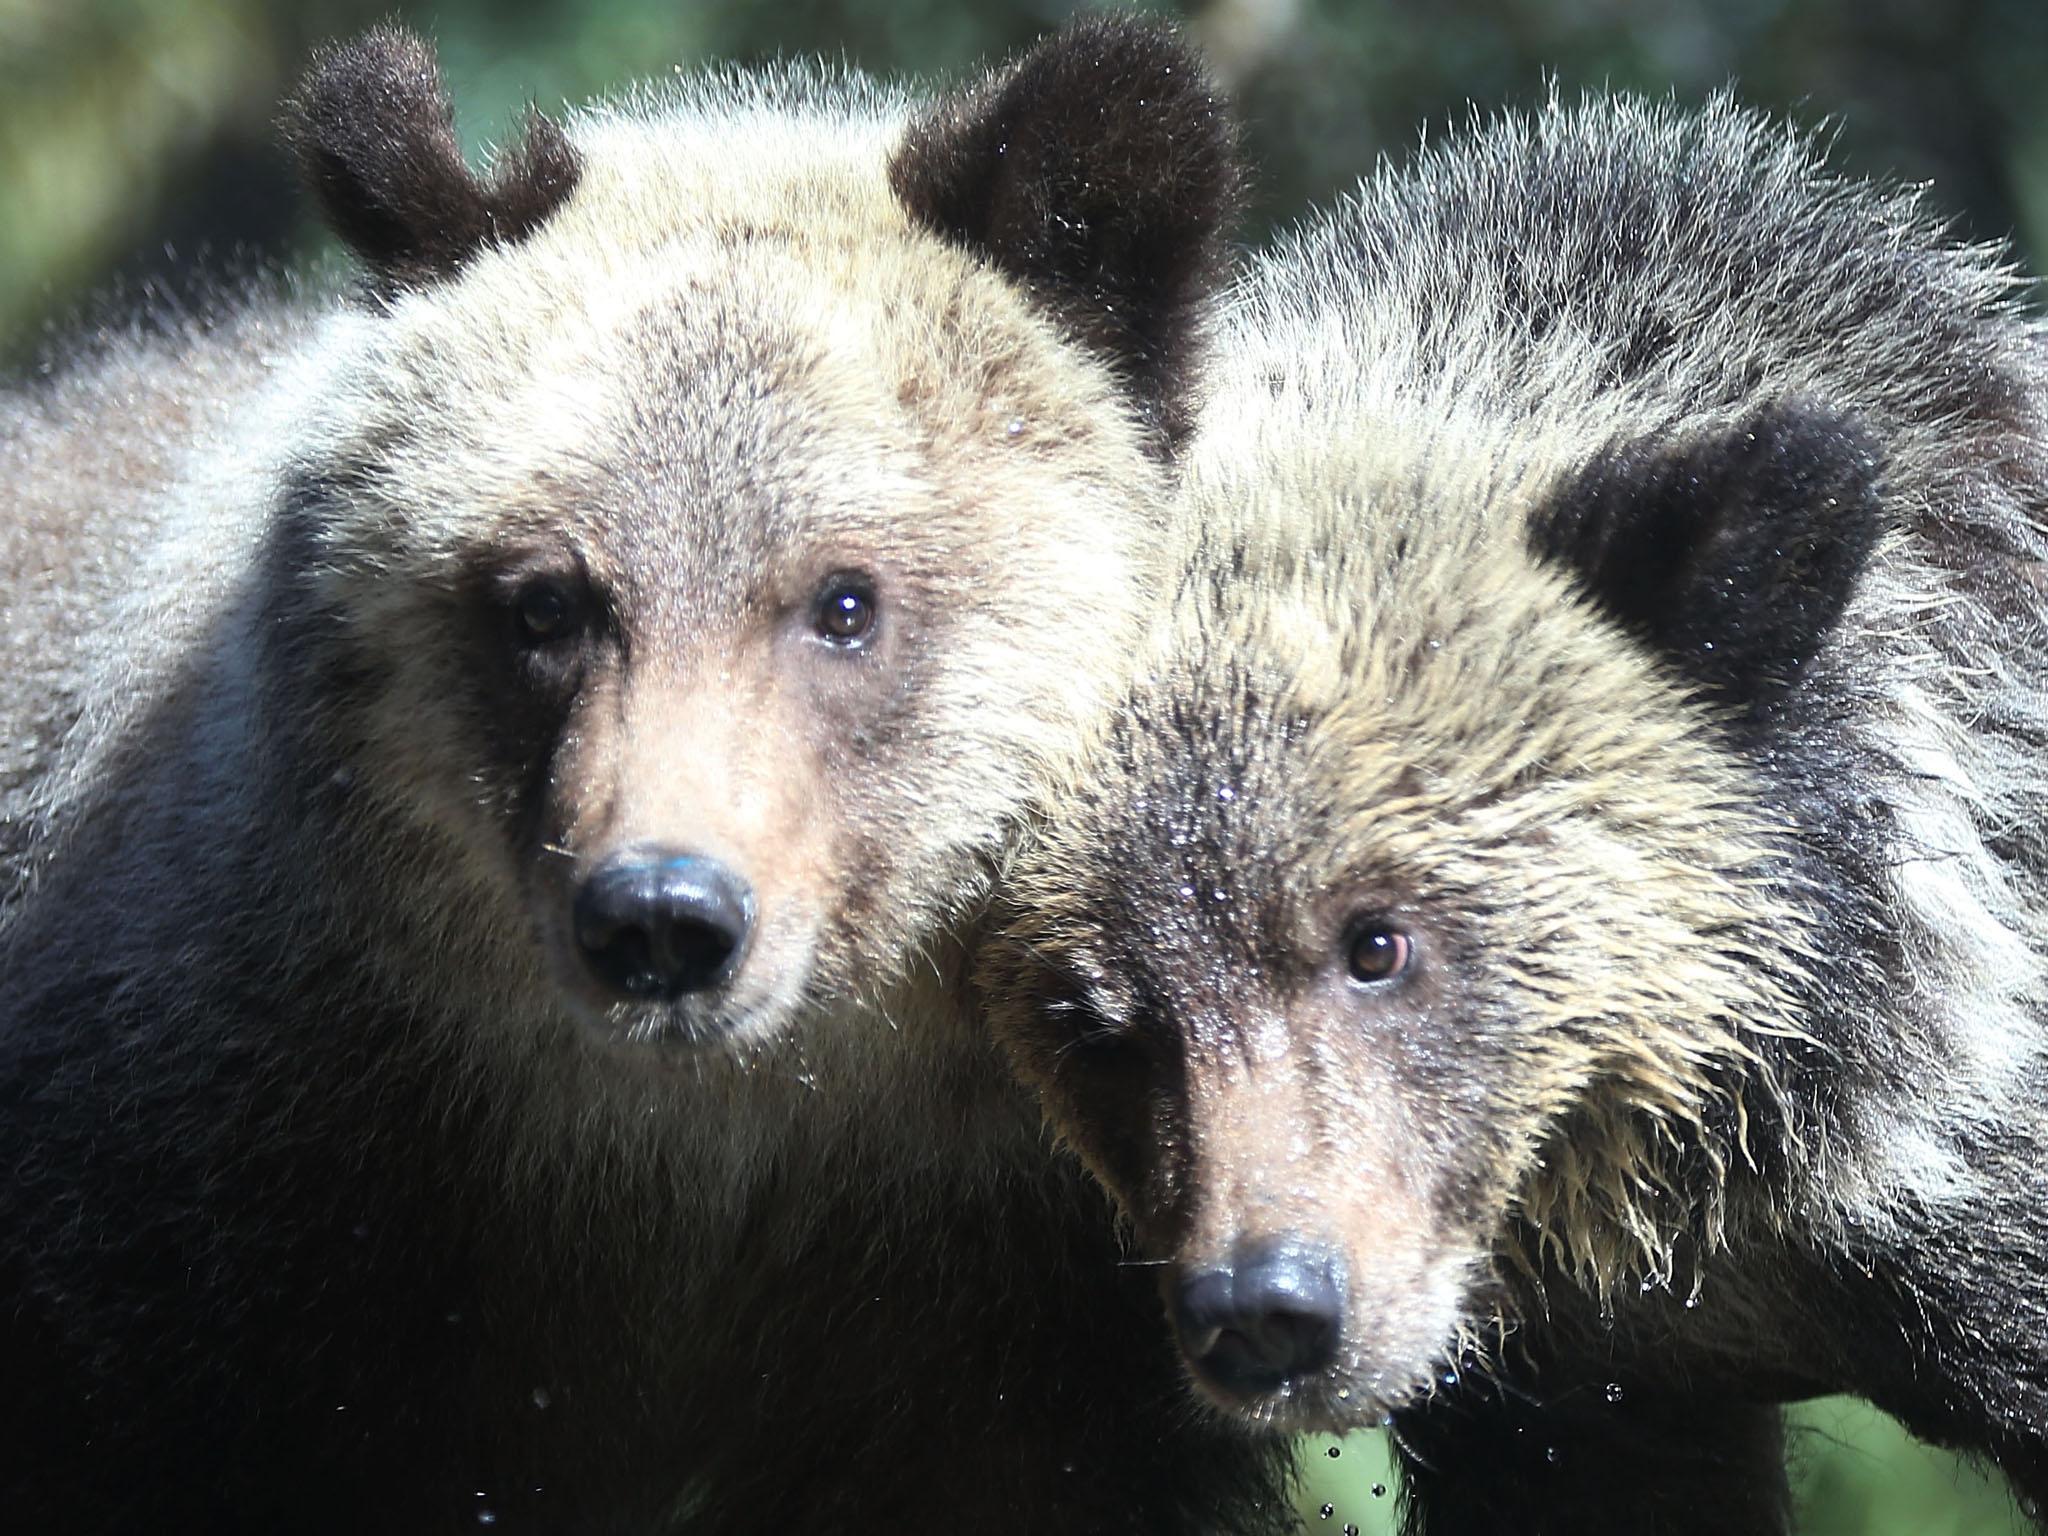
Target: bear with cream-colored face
(501, 767)
(1550, 957)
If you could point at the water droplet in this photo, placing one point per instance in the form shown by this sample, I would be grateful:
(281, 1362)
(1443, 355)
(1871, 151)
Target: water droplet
(1015, 427)
(1614, 1391)
(1350, 1529)
(1225, 792)
(1335, 1453)
(1327, 1510)
(1186, 892)
(1552, 1455)
(485, 1517)
(1379, 1490)
(541, 1397)
(1691, 1302)
(1343, 1394)
(1066, 1466)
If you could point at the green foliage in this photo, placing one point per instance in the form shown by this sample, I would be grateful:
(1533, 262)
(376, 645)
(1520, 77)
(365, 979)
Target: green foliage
(1855, 1473)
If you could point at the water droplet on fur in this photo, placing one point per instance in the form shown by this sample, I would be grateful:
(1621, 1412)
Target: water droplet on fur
(541, 1397)
(1343, 1394)
(1015, 427)
(1225, 792)
(1614, 1391)
(1379, 1490)
(1691, 1302)
(1335, 1453)
(1187, 892)
(1450, 1378)
(1327, 1510)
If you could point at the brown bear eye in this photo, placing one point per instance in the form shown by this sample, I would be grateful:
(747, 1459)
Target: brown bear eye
(547, 611)
(846, 611)
(1378, 952)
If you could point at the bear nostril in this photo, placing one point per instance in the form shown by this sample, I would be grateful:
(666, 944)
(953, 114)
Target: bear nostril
(1270, 1316)
(655, 924)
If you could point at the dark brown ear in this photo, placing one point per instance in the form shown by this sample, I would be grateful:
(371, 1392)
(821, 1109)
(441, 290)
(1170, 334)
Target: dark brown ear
(1101, 171)
(374, 133)
(1734, 552)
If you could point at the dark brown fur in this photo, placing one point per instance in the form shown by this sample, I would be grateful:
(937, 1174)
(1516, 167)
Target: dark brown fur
(1100, 173)
(374, 132)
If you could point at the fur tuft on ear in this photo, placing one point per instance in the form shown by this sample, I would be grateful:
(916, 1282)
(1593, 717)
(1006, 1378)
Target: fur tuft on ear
(374, 133)
(1734, 553)
(1101, 171)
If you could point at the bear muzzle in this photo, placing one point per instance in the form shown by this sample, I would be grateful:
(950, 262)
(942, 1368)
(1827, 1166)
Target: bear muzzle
(653, 924)
(1269, 1316)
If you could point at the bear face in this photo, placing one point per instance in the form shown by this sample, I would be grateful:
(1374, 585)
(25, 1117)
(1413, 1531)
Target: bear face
(711, 536)
(1418, 925)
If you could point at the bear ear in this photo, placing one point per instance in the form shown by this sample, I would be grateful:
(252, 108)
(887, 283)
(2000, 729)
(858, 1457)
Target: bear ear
(374, 133)
(1100, 170)
(1734, 553)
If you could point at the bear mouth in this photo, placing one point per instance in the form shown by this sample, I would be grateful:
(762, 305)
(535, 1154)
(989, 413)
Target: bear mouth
(1332, 1402)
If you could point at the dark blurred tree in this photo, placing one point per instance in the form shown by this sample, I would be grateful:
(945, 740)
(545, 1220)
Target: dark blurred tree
(127, 127)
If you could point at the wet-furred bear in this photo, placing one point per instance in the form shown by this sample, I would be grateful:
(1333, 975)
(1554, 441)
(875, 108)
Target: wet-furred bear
(1555, 958)
(501, 766)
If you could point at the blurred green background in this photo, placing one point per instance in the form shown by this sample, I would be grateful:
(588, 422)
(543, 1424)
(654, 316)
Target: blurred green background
(135, 141)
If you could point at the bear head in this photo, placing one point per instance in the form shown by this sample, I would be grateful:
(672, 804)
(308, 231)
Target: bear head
(711, 523)
(1421, 929)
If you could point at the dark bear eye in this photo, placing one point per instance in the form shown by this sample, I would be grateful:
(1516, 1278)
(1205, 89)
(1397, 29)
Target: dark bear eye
(1377, 952)
(547, 610)
(846, 611)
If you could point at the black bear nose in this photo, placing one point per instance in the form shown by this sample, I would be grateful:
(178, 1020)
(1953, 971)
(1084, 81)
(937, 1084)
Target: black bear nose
(1272, 1314)
(654, 923)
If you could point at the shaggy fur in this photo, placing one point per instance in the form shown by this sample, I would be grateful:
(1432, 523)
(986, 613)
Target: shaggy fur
(1618, 570)
(338, 1196)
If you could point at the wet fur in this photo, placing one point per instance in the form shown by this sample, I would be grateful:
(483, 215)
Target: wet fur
(330, 1205)
(1619, 553)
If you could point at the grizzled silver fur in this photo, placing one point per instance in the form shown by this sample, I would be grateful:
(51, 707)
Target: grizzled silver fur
(1616, 594)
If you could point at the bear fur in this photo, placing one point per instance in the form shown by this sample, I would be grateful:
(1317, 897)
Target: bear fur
(345, 636)
(1554, 956)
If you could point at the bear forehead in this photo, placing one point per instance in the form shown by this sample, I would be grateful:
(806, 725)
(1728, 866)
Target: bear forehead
(1299, 754)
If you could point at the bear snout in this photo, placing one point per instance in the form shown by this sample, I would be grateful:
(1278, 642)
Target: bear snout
(654, 923)
(1270, 1315)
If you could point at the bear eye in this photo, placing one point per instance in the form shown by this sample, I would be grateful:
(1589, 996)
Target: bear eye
(1376, 951)
(547, 610)
(845, 612)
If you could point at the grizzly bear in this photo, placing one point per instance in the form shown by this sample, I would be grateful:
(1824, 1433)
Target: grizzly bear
(1555, 957)
(504, 764)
